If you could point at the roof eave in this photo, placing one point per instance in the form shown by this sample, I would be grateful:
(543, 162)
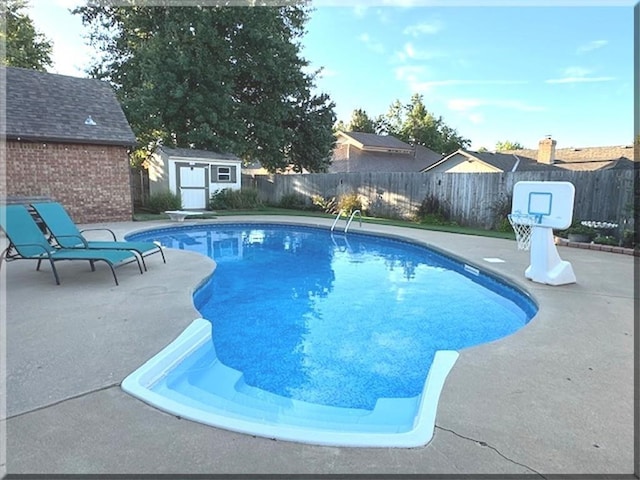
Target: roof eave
(83, 141)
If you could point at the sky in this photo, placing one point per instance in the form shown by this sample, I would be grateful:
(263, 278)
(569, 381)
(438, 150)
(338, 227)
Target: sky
(493, 70)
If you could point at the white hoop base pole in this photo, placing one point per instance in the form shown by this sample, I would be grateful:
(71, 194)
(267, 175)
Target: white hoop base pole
(546, 265)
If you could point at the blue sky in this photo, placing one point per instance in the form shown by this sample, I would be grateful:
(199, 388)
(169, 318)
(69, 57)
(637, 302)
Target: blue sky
(492, 73)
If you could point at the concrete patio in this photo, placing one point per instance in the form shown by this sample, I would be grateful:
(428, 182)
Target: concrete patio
(557, 397)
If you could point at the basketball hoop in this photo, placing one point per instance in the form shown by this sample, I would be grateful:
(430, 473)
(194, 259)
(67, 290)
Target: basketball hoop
(523, 225)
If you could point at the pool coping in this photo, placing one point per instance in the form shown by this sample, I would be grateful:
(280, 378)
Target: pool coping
(555, 398)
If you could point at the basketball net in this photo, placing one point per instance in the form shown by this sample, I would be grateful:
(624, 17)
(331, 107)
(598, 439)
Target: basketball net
(523, 225)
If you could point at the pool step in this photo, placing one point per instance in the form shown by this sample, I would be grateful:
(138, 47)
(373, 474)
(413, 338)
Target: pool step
(228, 394)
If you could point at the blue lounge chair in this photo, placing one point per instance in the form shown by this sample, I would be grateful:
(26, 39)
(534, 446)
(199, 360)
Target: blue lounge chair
(27, 242)
(67, 235)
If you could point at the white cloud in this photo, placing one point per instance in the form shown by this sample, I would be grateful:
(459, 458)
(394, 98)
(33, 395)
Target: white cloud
(360, 10)
(578, 75)
(465, 104)
(422, 29)
(476, 118)
(371, 44)
(430, 85)
(580, 79)
(593, 45)
(409, 72)
(411, 52)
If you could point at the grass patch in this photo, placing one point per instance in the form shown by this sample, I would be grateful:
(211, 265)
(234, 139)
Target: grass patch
(373, 220)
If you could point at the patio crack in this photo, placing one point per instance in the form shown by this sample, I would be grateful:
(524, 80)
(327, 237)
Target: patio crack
(62, 400)
(485, 444)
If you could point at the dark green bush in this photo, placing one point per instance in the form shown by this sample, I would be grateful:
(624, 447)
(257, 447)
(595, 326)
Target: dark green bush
(433, 211)
(294, 201)
(160, 202)
(501, 208)
(228, 199)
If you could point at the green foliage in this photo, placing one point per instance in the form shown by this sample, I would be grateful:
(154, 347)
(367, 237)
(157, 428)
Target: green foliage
(508, 145)
(294, 201)
(25, 46)
(414, 124)
(500, 209)
(606, 240)
(578, 229)
(228, 199)
(160, 202)
(224, 78)
(433, 211)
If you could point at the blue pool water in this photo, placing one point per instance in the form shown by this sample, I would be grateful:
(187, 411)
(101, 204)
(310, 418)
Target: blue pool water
(324, 319)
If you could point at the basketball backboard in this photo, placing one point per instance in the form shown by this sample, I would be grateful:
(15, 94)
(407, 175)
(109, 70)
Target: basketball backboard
(550, 202)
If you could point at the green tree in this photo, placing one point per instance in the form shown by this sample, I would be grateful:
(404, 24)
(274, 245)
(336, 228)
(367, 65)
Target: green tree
(508, 145)
(482, 149)
(360, 122)
(25, 46)
(217, 78)
(414, 124)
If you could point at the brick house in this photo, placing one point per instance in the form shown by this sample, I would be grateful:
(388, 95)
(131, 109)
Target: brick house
(67, 138)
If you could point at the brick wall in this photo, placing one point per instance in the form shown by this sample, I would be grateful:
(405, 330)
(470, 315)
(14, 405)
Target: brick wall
(91, 181)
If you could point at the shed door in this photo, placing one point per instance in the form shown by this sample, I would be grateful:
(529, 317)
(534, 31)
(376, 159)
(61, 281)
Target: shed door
(192, 182)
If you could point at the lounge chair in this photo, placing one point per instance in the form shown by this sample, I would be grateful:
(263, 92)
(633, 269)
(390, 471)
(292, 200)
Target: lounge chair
(67, 235)
(27, 242)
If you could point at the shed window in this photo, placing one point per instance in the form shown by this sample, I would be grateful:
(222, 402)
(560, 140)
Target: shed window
(223, 174)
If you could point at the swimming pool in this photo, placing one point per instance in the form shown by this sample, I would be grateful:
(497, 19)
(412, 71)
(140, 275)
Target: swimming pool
(323, 338)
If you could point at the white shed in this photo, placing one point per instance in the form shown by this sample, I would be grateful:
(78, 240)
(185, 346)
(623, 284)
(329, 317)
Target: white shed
(194, 175)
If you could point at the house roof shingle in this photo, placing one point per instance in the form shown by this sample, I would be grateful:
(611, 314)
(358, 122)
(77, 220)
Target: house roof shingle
(372, 140)
(44, 106)
(501, 161)
(347, 158)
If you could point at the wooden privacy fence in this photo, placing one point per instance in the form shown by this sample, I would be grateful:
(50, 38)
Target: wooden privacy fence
(472, 199)
(139, 186)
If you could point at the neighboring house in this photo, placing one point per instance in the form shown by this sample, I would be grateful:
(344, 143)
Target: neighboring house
(67, 138)
(194, 175)
(586, 158)
(546, 157)
(368, 152)
(467, 161)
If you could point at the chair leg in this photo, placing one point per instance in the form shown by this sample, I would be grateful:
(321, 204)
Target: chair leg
(3, 255)
(113, 272)
(38, 265)
(93, 266)
(144, 264)
(53, 268)
(162, 253)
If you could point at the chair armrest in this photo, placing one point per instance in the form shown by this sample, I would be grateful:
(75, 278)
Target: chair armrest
(85, 244)
(97, 229)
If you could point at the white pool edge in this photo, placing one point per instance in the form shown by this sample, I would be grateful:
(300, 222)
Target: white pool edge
(139, 383)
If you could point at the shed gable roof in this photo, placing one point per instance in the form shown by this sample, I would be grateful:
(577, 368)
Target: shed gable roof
(194, 153)
(44, 106)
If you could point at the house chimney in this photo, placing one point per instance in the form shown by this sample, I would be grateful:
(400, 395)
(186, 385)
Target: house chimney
(547, 150)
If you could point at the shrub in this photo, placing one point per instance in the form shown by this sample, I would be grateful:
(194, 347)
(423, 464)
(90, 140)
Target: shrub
(294, 201)
(349, 202)
(501, 208)
(160, 202)
(325, 205)
(228, 199)
(433, 211)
